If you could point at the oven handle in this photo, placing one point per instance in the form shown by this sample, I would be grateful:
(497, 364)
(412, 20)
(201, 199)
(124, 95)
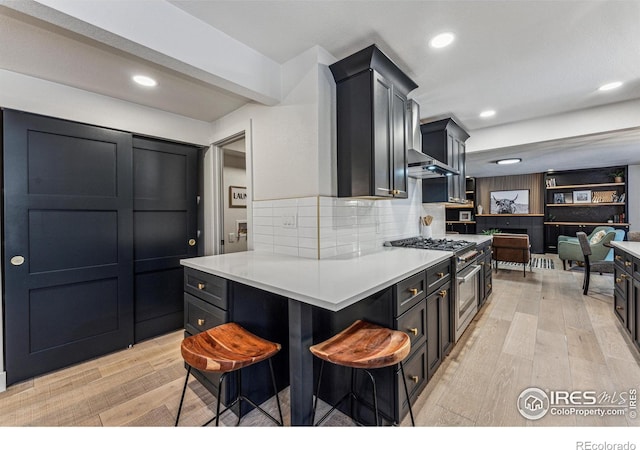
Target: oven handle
(469, 275)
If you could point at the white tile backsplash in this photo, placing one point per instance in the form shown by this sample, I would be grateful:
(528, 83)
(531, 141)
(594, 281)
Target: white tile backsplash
(329, 226)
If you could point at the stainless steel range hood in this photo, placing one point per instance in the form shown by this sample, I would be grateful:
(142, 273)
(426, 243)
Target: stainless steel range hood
(430, 168)
(420, 164)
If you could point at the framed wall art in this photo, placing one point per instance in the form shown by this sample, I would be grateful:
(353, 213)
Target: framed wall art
(581, 196)
(237, 197)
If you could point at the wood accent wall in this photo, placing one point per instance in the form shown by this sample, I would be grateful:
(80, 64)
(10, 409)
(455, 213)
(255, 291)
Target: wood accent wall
(534, 182)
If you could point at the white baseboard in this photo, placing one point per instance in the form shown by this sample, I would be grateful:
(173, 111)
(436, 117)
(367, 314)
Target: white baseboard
(3, 381)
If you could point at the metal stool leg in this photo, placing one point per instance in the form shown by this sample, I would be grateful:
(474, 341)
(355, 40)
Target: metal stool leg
(406, 391)
(375, 397)
(315, 402)
(184, 389)
(275, 390)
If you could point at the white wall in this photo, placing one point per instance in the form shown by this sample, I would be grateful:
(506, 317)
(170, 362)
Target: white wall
(292, 143)
(39, 96)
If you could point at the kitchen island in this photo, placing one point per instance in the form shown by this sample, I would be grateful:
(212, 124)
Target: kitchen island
(626, 293)
(320, 296)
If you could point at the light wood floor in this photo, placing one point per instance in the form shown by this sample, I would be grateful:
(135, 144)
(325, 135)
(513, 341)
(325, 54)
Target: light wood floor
(535, 331)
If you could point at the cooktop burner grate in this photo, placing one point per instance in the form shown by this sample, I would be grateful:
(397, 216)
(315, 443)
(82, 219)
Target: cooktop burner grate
(432, 244)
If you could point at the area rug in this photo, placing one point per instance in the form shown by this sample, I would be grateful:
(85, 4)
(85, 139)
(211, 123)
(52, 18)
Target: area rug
(537, 262)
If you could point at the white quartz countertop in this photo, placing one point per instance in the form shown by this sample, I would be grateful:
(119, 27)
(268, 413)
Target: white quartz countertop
(631, 247)
(332, 283)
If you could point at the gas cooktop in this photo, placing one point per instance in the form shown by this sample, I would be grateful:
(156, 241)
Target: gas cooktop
(432, 244)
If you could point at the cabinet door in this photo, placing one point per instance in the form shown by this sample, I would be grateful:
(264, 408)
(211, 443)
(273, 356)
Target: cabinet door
(399, 108)
(446, 339)
(433, 333)
(165, 183)
(382, 141)
(68, 268)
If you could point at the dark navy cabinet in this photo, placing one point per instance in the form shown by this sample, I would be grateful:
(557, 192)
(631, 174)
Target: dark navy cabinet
(371, 95)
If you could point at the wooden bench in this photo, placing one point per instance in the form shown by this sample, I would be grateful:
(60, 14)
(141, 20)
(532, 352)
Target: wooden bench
(509, 247)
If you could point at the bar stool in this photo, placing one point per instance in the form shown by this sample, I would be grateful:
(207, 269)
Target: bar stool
(224, 349)
(364, 346)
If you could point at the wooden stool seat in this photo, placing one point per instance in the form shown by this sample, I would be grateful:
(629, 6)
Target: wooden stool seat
(364, 346)
(225, 348)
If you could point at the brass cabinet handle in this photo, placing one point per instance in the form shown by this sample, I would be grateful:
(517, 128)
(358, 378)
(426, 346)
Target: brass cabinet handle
(627, 263)
(618, 280)
(443, 293)
(414, 378)
(618, 258)
(201, 286)
(440, 274)
(489, 285)
(624, 276)
(413, 291)
(200, 322)
(395, 192)
(192, 242)
(414, 331)
(619, 307)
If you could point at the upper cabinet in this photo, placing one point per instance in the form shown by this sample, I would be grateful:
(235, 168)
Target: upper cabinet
(372, 120)
(445, 141)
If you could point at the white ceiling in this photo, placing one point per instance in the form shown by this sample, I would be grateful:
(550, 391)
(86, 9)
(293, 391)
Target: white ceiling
(525, 59)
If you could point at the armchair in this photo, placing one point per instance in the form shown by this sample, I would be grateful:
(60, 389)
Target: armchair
(512, 248)
(563, 238)
(569, 248)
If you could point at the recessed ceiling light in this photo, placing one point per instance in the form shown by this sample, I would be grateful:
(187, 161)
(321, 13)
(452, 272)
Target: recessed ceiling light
(487, 113)
(609, 86)
(442, 40)
(509, 161)
(144, 80)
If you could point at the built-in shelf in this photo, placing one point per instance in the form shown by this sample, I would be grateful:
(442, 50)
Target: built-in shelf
(580, 186)
(587, 204)
(460, 221)
(459, 205)
(597, 224)
(509, 215)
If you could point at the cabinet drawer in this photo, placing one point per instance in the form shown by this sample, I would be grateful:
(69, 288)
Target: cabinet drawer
(623, 259)
(415, 372)
(210, 288)
(620, 306)
(200, 315)
(409, 292)
(437, 275)
(414, 323)
(620, 277)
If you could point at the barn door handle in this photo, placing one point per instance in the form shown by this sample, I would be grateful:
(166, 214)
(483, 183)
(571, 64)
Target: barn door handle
(17, 260)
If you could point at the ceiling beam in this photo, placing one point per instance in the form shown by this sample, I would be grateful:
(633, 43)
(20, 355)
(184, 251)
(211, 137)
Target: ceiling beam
(164, 34)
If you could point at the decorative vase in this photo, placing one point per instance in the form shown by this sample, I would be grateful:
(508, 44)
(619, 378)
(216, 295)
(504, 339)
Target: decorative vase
(480, 209)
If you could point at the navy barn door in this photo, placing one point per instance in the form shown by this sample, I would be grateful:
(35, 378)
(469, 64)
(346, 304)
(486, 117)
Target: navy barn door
(165, 231)
(68, 259)
(95, 223)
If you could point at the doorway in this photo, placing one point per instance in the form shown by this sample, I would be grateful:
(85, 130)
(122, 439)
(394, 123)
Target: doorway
(234, 195)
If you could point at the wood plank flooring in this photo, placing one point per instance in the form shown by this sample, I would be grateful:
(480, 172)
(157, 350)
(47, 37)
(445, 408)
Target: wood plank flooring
(534, 331)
